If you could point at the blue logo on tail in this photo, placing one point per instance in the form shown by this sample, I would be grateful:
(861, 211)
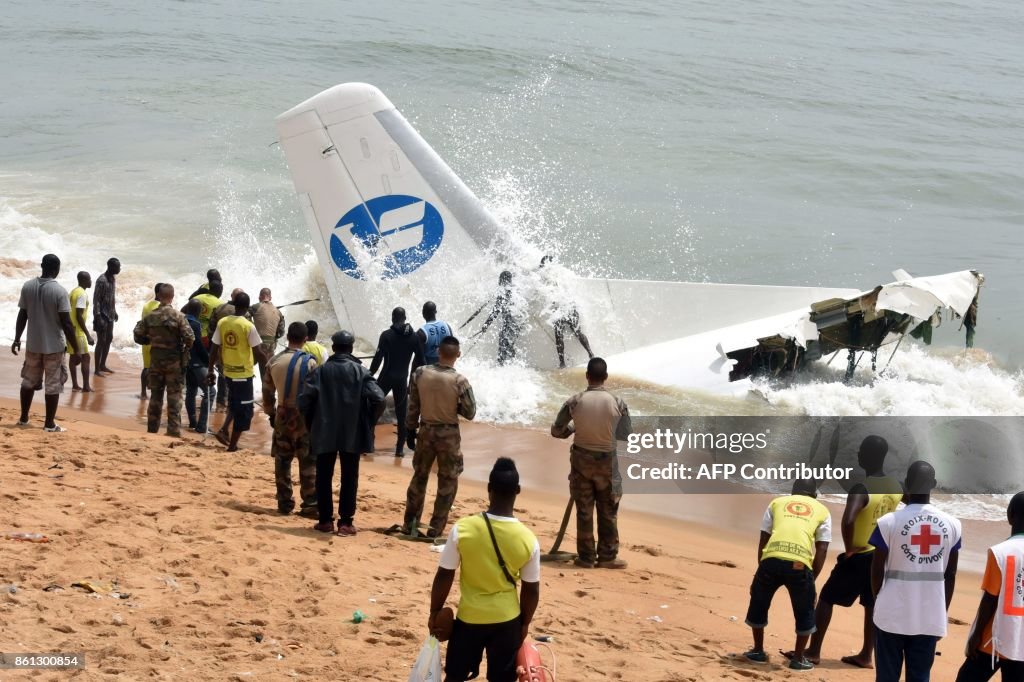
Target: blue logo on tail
(400, 232)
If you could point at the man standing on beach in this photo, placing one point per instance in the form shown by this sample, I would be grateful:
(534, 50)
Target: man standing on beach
(269, 323)
(341, 402)
(147, 308)
(867, 501)
(431, 333)
(219, 313)
(209, 300)
(196, 374)
(398, 345)
(494, 550)
(913, 573)
(45, 309)
(437, 396)
(237, 344)
(598, 419)
(170, 340)
(104, 314)
(79, 301)
(795, 533)
(312, 346)
(996, 641)
(285, 376)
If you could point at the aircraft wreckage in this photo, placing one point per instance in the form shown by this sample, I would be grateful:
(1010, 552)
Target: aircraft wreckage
(393, 225)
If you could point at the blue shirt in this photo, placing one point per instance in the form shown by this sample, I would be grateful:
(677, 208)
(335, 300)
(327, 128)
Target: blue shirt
(198, 356)
(434, 332)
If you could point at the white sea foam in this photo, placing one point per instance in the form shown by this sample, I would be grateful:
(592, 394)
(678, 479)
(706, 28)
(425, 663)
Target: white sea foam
(919, 382)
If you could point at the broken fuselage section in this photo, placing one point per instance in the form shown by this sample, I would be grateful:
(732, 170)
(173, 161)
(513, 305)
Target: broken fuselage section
(862, 325)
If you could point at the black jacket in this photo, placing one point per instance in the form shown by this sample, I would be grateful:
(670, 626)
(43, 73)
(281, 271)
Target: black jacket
(341, 402)
(397, 346)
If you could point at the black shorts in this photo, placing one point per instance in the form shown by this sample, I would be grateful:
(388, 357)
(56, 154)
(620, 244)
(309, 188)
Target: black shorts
(240, 399)
(798, 580)
(851, 578)
(468, 643)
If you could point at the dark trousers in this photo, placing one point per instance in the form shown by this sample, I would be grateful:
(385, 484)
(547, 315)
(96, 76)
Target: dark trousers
(349, 486)
(195, 382)
(798, 579)
(222, 388)
(466, 649)
(979, 669)
(891, 650)
(399, 389)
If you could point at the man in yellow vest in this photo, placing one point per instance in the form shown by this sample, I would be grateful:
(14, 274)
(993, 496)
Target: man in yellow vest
(237, 344)
(795, 533)
(494, 550)
(79, 314)
(868, 500)
(210, 301)
(996, 642)
(312, 346)
(147, 355)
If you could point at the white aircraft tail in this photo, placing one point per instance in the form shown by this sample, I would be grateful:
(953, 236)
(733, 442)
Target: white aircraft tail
(391, 223)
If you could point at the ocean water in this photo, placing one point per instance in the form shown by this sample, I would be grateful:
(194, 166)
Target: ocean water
(753, 142)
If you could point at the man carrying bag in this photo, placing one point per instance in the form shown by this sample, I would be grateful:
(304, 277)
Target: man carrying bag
(494, 550)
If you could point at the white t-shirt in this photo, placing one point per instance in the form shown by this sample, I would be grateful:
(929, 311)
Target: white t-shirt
(919, 540)
(450, 558)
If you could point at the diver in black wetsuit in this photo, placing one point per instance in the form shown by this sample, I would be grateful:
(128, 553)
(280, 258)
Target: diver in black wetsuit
(569, 320)
(511, 325)
(398, 345)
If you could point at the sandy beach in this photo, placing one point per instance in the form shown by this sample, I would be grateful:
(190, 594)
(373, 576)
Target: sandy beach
(199, 577)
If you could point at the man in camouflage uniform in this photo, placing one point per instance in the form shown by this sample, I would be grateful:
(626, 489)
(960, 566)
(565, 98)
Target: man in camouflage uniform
(598, 419)
(170, 339)
(437, 396)
(282, 382)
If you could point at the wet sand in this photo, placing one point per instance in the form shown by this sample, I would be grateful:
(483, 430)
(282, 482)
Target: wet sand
(222, 587)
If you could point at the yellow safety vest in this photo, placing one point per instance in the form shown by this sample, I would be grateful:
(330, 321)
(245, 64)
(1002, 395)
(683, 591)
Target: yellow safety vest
(210, 303)
(795, 521)
(316, 350)
(884, 495)
(236, 353)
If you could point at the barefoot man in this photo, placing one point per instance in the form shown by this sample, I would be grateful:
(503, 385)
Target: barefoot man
(870, 499)
(79, 314)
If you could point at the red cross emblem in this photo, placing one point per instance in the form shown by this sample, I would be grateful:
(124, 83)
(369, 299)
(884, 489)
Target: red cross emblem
(925, 539)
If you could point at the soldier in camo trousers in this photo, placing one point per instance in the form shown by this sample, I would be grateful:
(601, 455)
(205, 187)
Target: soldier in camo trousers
(282, 382)
(437, 396)
(170, 340)
(598, 419)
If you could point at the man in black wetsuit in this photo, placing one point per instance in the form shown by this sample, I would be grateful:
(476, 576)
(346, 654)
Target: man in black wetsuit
(511, 324)
(398, 345)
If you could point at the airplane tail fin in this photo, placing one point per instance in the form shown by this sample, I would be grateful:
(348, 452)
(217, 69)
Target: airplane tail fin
(390, 221)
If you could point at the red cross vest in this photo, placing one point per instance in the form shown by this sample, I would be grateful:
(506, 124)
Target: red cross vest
(919, 539)
(1008, 622)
